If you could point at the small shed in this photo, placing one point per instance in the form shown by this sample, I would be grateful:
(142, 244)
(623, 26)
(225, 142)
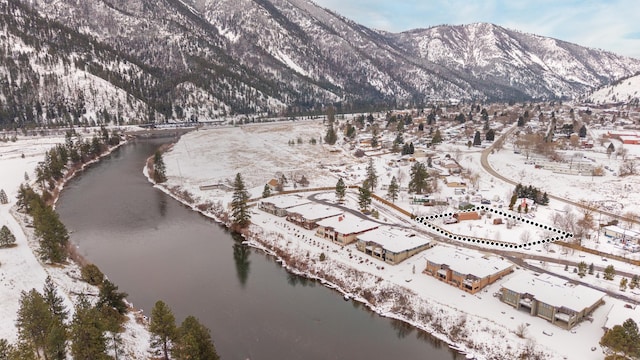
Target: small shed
(497, 221)
(471, 215)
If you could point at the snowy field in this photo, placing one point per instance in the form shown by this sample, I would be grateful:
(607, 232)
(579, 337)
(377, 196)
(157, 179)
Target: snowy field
(258, 152)
(20, 269)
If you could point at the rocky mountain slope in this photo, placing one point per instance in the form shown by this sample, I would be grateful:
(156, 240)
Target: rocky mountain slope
(203, 59)
(625, 90)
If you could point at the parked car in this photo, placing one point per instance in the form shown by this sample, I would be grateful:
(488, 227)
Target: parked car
(485, 201)
(450, 220)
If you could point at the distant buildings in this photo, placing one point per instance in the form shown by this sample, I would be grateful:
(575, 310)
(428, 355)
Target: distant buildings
(624, 235)
(551, 298)
(466, 269)
(392, 245)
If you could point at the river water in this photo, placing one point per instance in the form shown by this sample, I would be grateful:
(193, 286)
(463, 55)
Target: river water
(154, 248)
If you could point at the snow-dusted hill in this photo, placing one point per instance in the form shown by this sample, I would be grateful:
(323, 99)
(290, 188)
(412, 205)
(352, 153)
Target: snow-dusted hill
(623, 91)
(202, 59)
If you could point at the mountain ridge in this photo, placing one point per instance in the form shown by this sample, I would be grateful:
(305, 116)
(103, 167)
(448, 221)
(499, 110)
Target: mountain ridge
(209, 59)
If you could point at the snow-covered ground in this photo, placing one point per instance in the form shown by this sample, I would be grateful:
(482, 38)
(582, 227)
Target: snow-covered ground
(20, 269)
(258, 152)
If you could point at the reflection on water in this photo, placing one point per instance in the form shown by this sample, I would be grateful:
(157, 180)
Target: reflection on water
(241, 254)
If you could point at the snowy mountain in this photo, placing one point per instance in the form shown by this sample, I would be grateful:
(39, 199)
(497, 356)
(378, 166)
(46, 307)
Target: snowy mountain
(625, 90)
(202, 59)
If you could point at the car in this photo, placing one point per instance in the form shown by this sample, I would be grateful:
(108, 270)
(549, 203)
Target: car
(450, 220)
(485, 201)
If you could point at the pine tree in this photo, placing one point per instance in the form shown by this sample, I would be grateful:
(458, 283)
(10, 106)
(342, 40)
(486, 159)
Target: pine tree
(51, 232)
(33, 321)
(634, 282)
(364, 197)
(583, 131)
(330, 137)
(491, 135)
(419, 182)
(477, 141)
(372, 177)
(437, 137)
(194, 341)
(582, 268)
(623, 339)
(591, 269)
(110, 296)
(609, 272)
(54, 301)
(87, 333)
(392, 191)
(163, 328)
(341, 190)
(239, 206)
(266, 192)
(159, 169)
(6, 237)
(3, 197)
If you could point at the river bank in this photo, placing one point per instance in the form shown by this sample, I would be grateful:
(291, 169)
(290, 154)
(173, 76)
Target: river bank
(22, 270)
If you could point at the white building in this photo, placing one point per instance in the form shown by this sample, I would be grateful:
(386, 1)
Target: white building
(344, 229)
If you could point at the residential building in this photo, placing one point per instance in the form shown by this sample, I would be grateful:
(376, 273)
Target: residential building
(392, 245)
(307, 215)
(466, 269)
(618, 314)
(624, 235)
(278, 205)
(469, 215)
(562, 303)
(344, 229)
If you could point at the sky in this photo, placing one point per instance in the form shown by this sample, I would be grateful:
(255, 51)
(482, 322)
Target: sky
(612, 25)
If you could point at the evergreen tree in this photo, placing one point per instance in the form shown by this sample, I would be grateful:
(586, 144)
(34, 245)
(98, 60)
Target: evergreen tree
(364, 197)
(194, 342)
(591, 269)
(54, 301)
(341, 190)
(582, 269)
(419, 182)
(330, 137)
(634, 282)
(159, 169)
(26, 176)
(582, 132)
(436, 138)
(371, 178)
(163, 328)
(51, 232)
(491, 135)
(266, 192)
(6, 237)
(239, 205)
(3, 197)
(110, 296)
(34, 319)
(610, 149)
(477, 141)
(87, 333)
(392, 191)
(623, 340)
(609, 272)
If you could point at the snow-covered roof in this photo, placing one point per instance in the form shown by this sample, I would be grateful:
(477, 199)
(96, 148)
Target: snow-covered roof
(348, 224)
(623, 232)
(619, 314)
(554, 291)
(315, 211)
(393, 239)
(468, 262)
(286, 201)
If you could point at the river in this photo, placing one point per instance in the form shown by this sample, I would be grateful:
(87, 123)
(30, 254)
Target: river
(154, 248)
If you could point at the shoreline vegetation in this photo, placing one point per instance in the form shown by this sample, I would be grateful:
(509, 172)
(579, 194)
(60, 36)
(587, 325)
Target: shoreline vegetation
(375, 293)
(113, 315)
